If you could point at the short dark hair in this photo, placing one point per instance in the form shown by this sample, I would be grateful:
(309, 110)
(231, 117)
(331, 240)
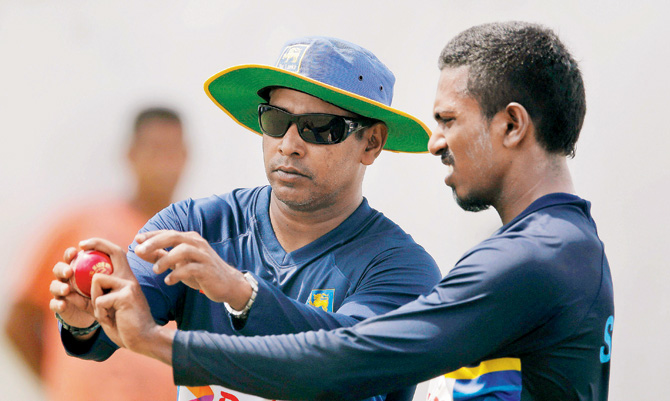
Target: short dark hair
(524, 63)
(151, 113)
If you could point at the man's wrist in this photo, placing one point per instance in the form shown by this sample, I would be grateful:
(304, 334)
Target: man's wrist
(79, 332)
(158, 344)
(241, 311)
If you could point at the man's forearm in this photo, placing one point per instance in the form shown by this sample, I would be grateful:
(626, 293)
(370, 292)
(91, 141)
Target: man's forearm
(157, 345)
(377, 356)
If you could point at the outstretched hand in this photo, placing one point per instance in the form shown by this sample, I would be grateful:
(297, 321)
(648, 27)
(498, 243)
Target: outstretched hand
(194, 263)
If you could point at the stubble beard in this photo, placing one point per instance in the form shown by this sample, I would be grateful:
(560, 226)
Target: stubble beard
(472, 203)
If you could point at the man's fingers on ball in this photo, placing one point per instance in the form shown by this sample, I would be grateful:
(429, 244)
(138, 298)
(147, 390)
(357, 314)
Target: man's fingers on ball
(105, 301)
(102, 245)
(96, 291)
(69, 254)
(59, 288)
(62, 271)
(105, 283)
(57, 305)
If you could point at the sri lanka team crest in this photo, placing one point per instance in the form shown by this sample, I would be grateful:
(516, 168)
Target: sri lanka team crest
(323, 299)
(291, 57)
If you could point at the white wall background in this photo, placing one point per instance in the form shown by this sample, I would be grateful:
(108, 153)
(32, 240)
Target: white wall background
(73, 72)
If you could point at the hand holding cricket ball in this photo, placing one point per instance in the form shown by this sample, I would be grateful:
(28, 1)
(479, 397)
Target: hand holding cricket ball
(74, 278)
(116, 301)
(84, 266)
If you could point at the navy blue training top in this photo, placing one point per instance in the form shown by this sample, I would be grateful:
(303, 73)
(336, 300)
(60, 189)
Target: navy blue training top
(525, 315)
(364, 267)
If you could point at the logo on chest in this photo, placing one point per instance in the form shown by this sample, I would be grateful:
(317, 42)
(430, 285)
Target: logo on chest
(323, 299)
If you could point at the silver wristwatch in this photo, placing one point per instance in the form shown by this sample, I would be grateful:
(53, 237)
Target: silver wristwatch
(242, 314)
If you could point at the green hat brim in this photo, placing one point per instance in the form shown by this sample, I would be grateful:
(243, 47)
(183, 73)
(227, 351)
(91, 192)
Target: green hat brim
(235, 91)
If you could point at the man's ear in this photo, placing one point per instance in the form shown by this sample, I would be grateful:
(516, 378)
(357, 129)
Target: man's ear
(375, 139)
(518, 124)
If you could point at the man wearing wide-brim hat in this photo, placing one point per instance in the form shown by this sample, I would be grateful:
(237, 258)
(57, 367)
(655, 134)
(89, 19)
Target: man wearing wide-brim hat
(306, 252)
(335, 71)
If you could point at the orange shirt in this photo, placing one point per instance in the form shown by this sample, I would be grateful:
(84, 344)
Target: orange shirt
(125, 376)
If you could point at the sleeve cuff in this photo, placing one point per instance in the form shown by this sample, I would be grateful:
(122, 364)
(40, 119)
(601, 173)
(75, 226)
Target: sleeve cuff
(77, 347)
(97, 348)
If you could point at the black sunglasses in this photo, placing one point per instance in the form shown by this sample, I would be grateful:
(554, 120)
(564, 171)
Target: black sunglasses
(317, 128)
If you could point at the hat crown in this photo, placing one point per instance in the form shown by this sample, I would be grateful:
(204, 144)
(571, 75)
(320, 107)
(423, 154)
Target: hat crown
(339, 63)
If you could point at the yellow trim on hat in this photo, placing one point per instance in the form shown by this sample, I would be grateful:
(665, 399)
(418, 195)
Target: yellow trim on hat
(316, 83)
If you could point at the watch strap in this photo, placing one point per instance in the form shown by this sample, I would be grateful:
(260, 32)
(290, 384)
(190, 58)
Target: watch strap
(242, 314)
(78, 331)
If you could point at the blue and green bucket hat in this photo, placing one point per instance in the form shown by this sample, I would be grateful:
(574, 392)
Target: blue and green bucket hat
(334, 70)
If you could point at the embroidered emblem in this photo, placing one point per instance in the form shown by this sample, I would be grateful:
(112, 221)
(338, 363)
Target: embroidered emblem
(291, 57)
(322, 299)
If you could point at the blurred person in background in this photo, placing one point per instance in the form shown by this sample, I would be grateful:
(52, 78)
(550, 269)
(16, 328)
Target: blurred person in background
(157, 155)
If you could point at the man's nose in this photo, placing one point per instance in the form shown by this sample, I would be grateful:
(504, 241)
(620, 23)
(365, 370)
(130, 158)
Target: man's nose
(437, 143)
(292, 143)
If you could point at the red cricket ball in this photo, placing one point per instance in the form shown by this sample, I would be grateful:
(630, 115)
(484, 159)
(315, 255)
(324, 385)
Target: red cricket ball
(85, 265)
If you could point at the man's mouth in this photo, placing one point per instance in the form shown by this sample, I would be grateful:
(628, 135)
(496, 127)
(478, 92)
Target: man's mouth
(286, 171)
(448, 160)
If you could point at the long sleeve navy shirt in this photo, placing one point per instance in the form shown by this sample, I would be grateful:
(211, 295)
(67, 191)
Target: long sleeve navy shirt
(364, 267)
(537, 295)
